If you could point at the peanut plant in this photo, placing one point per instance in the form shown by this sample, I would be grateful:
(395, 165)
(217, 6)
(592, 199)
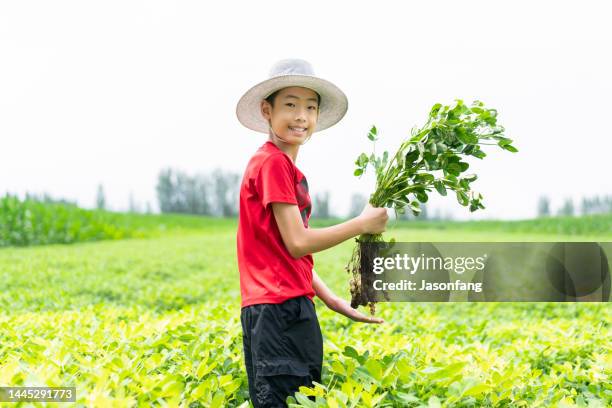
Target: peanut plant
(431, 159)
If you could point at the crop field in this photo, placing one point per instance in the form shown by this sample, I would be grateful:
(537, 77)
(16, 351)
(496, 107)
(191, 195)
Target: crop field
(155, 320)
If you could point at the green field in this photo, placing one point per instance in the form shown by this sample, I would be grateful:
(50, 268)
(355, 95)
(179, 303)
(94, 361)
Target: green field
(155, 321)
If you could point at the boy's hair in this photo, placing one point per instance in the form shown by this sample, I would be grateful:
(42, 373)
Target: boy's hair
(272, 96)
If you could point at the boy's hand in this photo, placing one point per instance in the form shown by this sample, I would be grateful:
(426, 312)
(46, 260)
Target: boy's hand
(373, 219)
(338, 304)
(344, 307)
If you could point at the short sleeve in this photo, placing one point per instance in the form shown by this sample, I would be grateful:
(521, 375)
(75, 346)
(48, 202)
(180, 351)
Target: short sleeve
(276, 181)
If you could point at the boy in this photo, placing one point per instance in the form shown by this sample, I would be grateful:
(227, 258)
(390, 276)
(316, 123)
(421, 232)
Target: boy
(282, 339)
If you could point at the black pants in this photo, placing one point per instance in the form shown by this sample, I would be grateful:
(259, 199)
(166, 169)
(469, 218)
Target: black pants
(283, 349)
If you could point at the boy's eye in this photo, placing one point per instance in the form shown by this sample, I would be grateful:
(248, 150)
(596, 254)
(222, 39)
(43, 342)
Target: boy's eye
(313, 107)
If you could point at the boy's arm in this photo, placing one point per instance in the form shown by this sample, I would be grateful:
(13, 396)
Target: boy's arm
(301, 241)
(337, 304)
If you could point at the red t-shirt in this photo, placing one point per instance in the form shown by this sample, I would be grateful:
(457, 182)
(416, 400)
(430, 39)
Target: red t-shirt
(268, 273)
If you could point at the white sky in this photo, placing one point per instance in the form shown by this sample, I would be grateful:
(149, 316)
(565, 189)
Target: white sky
(110, 92)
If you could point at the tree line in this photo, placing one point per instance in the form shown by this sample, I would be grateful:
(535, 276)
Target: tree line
(214, 194)
(588, 206)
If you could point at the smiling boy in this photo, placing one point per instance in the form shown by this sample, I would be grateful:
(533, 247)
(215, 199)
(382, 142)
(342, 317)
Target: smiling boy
(283, 345)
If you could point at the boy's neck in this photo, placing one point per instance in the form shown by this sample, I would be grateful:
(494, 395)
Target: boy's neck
(290, 150)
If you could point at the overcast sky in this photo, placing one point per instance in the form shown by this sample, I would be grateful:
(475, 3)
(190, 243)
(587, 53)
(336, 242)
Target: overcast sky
(111, 92)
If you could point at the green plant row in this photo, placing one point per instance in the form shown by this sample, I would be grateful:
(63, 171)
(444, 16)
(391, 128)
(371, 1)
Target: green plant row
(32, 222)
(155, 322)
(600, 224)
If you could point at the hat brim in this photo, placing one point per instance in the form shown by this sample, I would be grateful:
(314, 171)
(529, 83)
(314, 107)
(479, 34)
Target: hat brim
(333, 107)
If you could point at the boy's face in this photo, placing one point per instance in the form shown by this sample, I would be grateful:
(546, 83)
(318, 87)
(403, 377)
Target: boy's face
(294, 115)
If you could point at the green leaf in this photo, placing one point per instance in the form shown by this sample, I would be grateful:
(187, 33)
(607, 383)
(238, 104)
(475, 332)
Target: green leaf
(440, 187)
(406, 398)
(503, 141)
(372, 134)
(432, 165)
(447, 371)
(477, 390)
(351, 352)
(233, 386)
(411, 157)
(422, 197)
(453, 169)
(199, 391)
(479, 154)
(374, 368)
(469, 149)
(435, 109)
(462, 198)
(423, 177)
(172, 389)
(475, 205)
(510, 148)
(362, 160)
(218, 400)
(491, 117)
(453, 159)
(204, 368)
(338, 368)
(358, 172)
(304, 401)
(307, 391)
(464, 136)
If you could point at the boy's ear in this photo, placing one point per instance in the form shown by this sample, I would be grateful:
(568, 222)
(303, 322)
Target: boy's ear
(266, 109)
